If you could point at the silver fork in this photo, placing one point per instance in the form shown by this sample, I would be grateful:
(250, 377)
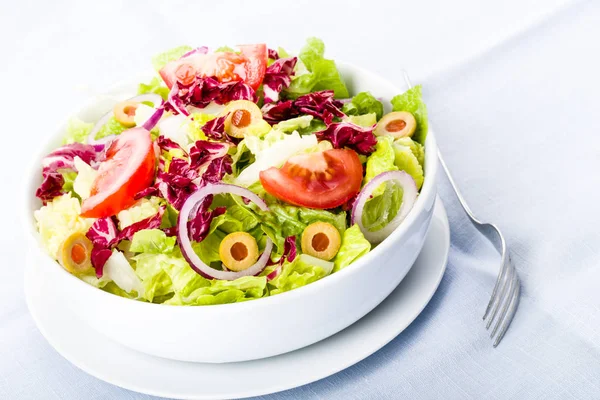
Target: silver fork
(505, 296)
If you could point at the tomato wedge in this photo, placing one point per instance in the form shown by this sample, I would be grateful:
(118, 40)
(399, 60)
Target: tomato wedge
(128, 169)
(317, 180)
(248, 66)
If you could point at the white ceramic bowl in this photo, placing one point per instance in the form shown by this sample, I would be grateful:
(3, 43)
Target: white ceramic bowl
(254, 329)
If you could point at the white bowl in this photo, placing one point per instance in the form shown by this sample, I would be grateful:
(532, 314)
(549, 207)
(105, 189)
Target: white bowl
(254, 329)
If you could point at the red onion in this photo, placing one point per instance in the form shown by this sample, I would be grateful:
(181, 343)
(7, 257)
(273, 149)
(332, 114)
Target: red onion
(409, 197)
(153, 98)
(186, 245)
(154, 118)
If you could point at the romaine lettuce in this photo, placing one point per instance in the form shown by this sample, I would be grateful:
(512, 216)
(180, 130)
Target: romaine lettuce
(412, 101)
(354, 245)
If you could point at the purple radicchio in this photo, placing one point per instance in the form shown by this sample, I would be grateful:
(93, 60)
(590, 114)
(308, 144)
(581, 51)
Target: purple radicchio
(320, 105)
(277, 77)
(60, 161)
(345, 134)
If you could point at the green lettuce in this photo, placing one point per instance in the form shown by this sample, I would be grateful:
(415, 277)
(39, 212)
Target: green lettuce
(112, 127)
(294, 124)
(168, 278)
(162, 59)
(156, 85)
(407, 161)
(417, 148)
(364, 103)
(381, 209)
(386, 199)
(222, 292)
(322, 73)
(354, 245)
(152, 241)
(77, 131)
(198, 120)
(412, 101)
(381, 160)
(294, 275)
(366, 120)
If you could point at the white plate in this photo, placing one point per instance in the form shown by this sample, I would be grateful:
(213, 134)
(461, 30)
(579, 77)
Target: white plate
(121, 366)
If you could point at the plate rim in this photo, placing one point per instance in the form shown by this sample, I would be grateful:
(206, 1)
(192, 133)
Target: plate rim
(350, 361)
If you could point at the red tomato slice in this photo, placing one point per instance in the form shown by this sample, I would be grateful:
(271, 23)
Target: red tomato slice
(256, 66)
(318, 180)
(249, 66)
(128, 169)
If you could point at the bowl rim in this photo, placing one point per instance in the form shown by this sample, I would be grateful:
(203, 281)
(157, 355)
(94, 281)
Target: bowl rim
(32, 171)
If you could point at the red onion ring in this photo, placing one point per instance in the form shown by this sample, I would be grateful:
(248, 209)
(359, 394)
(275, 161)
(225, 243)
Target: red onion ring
(153, 98)
(186, 245)
(409, 197)
(154, 118)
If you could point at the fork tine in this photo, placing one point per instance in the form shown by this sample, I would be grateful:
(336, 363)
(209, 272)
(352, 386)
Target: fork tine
(505, 255)
(512, 289)
(514, 304)
(507, 272)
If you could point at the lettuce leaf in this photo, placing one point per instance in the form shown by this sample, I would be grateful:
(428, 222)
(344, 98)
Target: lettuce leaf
(381, 209)
(381, 160)
(407, 161)
(162, 59)
(417, 148)
(168, 278)
(322, 73)
(412, 101)
(156, 85)
(363, 103)
(152, 241)
(364, 120)
(294, 124)
(112, 127)
(354, 245)
(77, 131)
(294, 275)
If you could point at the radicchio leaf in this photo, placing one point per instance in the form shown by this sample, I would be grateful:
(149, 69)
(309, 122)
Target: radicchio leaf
(167, 144)
(277, 77)
(273, 54)
(203, 152)
(152, 222)
(99, 257)
(320, 105)
(215, 128)
(289, 254)
(276, 112)
(344, 134)
(200, 219)
(62, 160)
(205, 90)
(103, 232)
(51, 187)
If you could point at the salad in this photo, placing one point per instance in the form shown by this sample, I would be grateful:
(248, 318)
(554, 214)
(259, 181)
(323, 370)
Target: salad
(234, 174)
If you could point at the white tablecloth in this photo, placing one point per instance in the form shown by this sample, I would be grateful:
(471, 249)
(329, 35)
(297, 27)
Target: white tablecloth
(512, 90)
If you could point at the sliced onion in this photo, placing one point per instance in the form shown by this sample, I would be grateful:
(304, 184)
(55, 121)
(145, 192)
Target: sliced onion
(409, 197)
(183, 236)
(101, 122)
(153, 98)
(154, 118)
